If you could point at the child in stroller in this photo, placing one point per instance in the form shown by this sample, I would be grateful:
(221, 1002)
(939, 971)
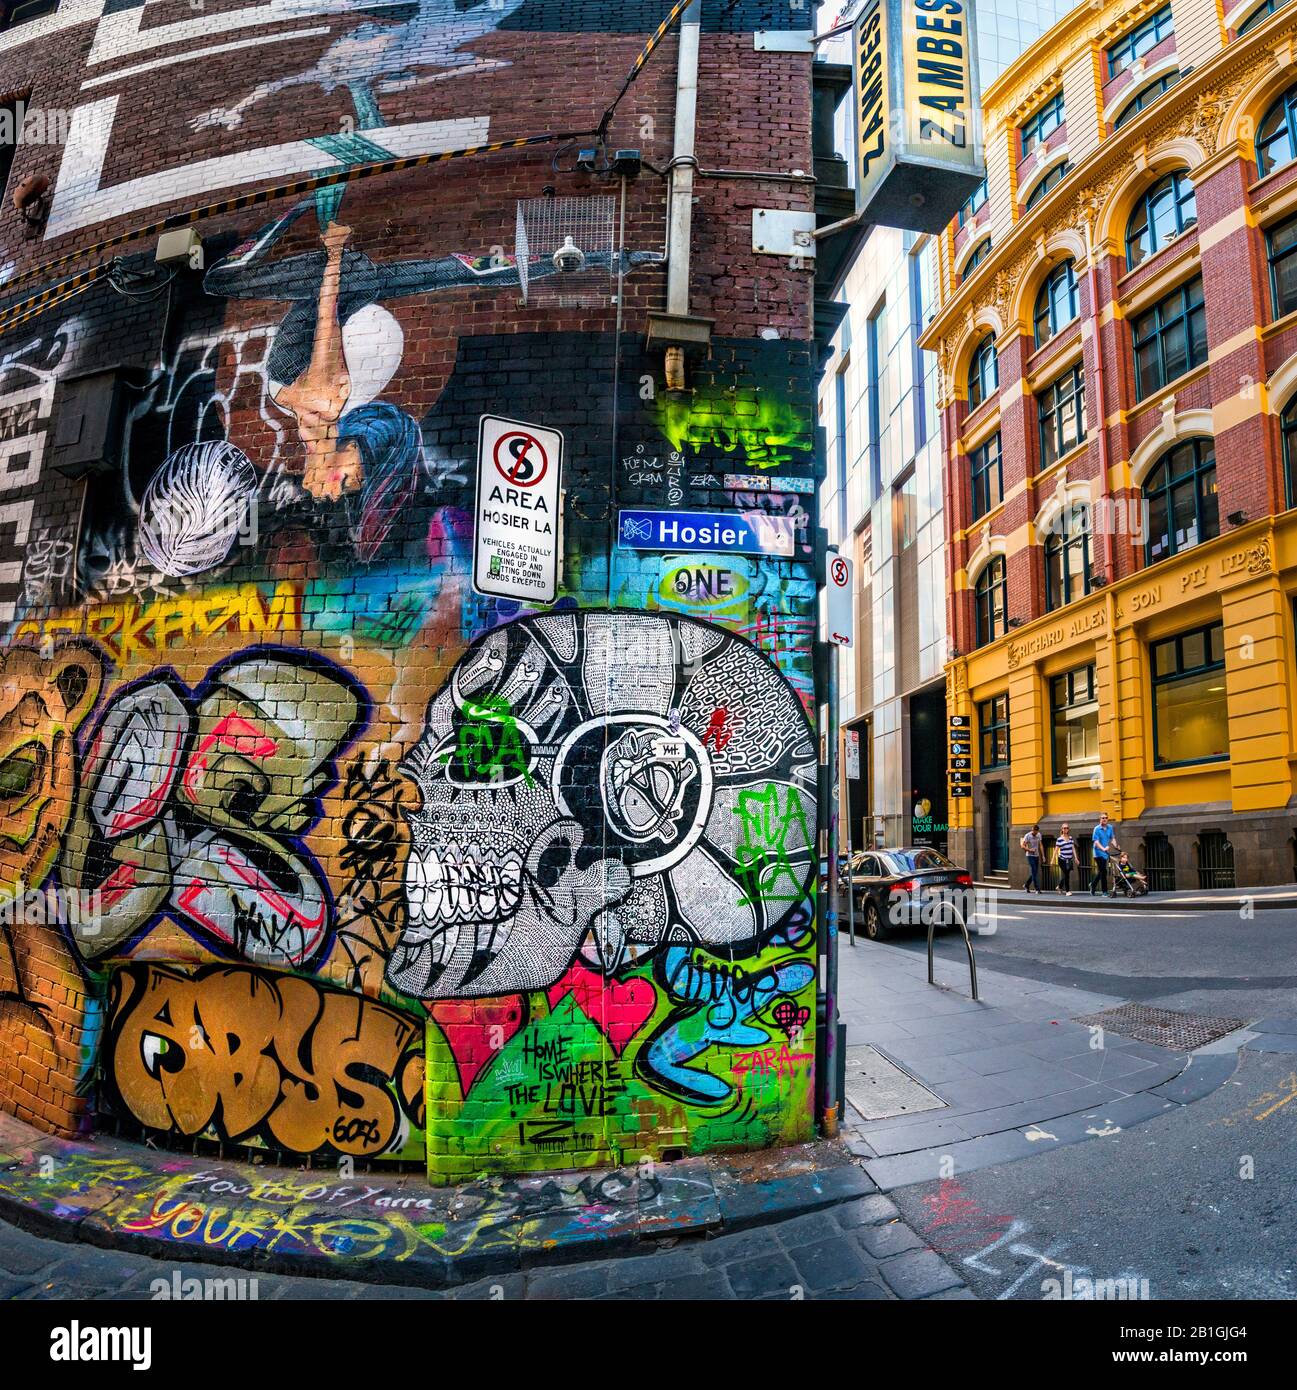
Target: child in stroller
(1128, 879)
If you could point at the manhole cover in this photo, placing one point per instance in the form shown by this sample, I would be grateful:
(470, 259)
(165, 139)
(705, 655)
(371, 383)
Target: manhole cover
(879, 1089)
(1163, 1027)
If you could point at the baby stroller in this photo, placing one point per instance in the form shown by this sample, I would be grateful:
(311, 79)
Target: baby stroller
(1128, 882)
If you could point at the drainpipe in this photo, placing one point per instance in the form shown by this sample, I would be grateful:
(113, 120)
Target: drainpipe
(683, 165)
(1092, 279)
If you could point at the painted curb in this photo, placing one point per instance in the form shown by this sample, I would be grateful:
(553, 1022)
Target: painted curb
(396, 1230)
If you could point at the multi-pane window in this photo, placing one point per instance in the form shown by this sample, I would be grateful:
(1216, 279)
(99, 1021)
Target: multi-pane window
(1139, 41)
(983, 373)
(1276, 140)
(1288, 427)
(30, 9)
(1170, 338)
(1051, 181)
(1281, 248)
(11, 121)
(1190, 717)
(1074, 724)
(993, 732)
(1067, 558)
(1062, 416)
(975, 200)
(1057, 303)
(1183, 508)
(1164, 211)
(980, 253)
(1041, 124)
(1145, 97)
(988, 476)
(991, 594)
(1260, 15)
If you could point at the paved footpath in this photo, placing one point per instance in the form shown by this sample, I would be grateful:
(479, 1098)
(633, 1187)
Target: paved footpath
(859, 1250)
(128, 1221)
(1009, 1076)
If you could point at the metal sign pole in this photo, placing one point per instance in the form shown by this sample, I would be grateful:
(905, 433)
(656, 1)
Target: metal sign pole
(851, 887)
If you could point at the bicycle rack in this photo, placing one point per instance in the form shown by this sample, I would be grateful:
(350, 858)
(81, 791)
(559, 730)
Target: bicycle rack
(968, 941)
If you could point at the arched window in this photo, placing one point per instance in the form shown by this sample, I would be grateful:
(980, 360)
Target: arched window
(1276, 140)
(1058, 303)
(1047, 185)
(1067, 558)
(1183, 508)
(1145, 97)
(975, 200)
(992, 593)
(983, 373)
(1163, 212)
(1288, 426)
(980, 253)
(1260, 15)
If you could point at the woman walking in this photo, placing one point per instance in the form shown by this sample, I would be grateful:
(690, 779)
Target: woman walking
(1065, 847)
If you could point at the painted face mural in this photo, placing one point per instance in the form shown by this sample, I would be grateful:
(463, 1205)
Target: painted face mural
(193, 804)
(238, 1054)
(43, 700)
(594, 785)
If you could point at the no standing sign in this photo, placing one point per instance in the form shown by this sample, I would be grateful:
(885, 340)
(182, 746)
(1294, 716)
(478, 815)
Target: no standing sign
(515, 545)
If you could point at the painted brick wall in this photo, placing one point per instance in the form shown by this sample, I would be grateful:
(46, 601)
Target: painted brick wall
(307, 845)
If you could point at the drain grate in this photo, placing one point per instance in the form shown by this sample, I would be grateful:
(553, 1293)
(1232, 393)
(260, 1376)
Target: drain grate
(880, 1090)
(1163, 1027)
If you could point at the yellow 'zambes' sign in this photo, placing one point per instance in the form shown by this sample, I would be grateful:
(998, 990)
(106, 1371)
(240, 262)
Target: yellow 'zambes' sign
(871, 101)
(938, 71)
(918, 127)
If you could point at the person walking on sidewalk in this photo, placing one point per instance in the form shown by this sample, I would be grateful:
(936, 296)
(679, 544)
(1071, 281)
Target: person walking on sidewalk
(1031, 843)
(1065, 847)
(1104, 843)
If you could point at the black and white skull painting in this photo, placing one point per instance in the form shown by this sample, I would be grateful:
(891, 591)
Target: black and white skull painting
(595, 784)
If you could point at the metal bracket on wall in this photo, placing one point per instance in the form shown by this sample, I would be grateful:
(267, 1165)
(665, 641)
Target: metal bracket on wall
(776, 232)
(784, 41)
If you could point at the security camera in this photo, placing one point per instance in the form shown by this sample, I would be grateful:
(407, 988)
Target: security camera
(569, 257)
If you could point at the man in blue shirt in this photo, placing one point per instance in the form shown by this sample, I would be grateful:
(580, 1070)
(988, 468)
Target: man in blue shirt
(1104, 843)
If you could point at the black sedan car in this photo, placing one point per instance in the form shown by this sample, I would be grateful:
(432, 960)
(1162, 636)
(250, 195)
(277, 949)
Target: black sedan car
(904, 887)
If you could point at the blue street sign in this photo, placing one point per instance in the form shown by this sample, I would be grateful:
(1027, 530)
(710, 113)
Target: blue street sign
(750, 533)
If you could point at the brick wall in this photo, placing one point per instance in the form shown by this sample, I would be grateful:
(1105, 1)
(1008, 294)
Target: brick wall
(309, 845)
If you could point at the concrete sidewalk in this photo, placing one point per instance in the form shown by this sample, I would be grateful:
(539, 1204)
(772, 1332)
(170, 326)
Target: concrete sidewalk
(1014, 1072)
(1205, 900)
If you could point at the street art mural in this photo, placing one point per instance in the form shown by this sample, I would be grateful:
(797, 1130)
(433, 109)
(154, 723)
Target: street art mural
(241, 1056)
(335, 857)
(43, 1012)
(613, 826)
(193, 803)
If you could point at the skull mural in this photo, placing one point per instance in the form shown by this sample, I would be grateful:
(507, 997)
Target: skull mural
(593, 785)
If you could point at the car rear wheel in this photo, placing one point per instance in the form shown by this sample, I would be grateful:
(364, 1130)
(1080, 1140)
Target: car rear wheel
(874, 928)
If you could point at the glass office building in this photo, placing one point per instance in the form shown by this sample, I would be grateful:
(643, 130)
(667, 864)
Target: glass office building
(881, 502)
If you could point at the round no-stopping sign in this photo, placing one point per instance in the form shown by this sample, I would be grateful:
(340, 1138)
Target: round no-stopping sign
(520, 458)
(838, 571)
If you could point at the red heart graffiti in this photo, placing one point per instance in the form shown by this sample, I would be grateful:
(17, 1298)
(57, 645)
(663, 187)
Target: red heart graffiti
(477, 1031)
(618, 1009)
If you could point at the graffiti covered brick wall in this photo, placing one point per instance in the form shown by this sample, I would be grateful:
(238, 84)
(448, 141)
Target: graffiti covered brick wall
(308, 846)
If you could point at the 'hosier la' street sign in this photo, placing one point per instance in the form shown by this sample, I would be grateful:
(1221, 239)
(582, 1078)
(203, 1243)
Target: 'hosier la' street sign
(730, 533)
(918, 124)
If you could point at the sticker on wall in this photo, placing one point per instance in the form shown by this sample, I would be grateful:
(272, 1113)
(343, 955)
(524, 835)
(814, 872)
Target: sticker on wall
(519, 472)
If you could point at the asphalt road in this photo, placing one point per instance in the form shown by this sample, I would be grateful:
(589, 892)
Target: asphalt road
(1199, 961)
(1199, 1204)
